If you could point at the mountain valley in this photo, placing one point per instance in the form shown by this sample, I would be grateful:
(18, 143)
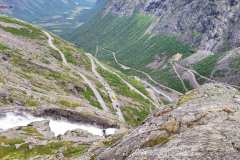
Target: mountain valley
(200, 33)
(119, 80)
(58, 16)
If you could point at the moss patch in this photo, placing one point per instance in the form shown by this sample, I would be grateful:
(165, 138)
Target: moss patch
(206, 66)
(32, 132)
(112, 140)
(187, 97)
(135, 116)
(2, 47)
(27, 30)
(89, 95)
(69, 103)
(9, 150)
(74, 150)
(155, 141)
(31, 102)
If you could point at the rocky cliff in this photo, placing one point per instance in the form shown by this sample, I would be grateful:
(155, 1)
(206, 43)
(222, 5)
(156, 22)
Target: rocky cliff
(208, 25)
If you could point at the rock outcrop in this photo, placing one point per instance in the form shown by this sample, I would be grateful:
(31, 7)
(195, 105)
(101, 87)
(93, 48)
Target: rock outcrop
(36, 141)
(82, 115)
(204, 124)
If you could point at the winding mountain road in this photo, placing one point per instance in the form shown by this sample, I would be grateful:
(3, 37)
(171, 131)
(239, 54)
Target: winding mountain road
(76, 70)
(179, 77)
(157, 91)
(115, 59)
(131, 87)
(206, 78)
(111, 93)
(94, 89)
(188, 75)
(51, 44)
(148, 76)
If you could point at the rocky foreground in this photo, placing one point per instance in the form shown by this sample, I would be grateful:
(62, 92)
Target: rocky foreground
(203, 124)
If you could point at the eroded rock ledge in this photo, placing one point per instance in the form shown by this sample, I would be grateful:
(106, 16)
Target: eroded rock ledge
(204, 124)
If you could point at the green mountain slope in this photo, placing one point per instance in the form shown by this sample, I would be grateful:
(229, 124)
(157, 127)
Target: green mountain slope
(37, 77)
(169, 40)
(128, 37)
(41, 73)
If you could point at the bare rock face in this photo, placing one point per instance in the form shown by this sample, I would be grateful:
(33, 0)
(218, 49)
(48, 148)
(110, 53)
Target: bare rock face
(206, 24)
(43, 128)
(204, 124)
(83, 115)
(3, 93)
(80, 136)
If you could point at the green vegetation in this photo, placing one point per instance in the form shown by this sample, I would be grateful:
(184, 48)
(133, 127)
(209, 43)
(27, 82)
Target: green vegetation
(31, 102)
(20, 32)
(196, 34)
(29, 67)
(186, 98)
(74, 150)
(168, 77)
(135, 116)
(111, 140)
(48, 149)
(72, 54)
(69, 103)
(28, 70)
(68, 51)
(27, 30)
(5, 140)
(135, 47)
(155, 141)
(2, 47)
(8, 149)
(165, 76)
(206, 66)
(138, 85)
(235, 64)
(29, 130)
(119, 86)
(127, 36)
(89, 95)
